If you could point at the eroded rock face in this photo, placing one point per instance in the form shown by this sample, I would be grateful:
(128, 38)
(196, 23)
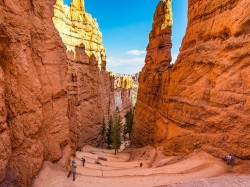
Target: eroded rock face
(54, 87)
(202, 102)
(123, 93)
(33, 67)
(90, 86)
(157, 61)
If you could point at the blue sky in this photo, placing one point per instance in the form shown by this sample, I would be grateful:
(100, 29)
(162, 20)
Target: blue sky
(125, 26)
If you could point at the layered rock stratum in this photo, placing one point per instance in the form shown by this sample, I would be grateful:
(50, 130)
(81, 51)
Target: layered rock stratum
(202, 101)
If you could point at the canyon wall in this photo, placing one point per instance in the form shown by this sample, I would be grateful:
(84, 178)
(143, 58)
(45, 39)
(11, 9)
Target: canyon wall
(54, 87)
(33, 90)
(157, 61)
(203, 100)
(90, 86)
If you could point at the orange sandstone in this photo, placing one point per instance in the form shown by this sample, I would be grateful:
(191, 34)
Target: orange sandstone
(33, 88)
(90, 86)
(54, 87)
(202, 101)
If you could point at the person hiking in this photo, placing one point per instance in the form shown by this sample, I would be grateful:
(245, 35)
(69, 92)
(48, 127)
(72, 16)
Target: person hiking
(83, 161)
(73, 170)
(229, 159)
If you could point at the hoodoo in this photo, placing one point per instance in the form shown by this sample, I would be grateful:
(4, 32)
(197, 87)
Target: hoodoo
(157, 61)
(202, 101)
(78, 4)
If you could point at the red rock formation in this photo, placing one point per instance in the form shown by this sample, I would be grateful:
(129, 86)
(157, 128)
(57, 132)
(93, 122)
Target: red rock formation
(202, 102)
(157, 60)
(90, 86)
(52, 97)
(33, 67)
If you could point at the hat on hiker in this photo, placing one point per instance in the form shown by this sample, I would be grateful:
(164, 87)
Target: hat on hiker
(73, 161)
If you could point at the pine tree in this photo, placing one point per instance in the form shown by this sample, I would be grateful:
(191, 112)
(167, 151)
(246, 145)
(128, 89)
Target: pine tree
(103, 131)
(129, 122)
(117, 129)
(109, 133)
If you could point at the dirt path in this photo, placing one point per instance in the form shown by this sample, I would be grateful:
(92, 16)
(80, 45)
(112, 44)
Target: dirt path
(222, 181)
(123, 170)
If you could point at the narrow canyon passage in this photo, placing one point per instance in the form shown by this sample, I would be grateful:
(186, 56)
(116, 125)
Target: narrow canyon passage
(179, 121)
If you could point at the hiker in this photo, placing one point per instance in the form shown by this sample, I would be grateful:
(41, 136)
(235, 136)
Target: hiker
(141, 164)
(83, 161)
(229, 159)
(73, 170)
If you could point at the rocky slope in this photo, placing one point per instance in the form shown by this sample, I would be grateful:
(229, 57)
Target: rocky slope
(33, 67)
(202, 102)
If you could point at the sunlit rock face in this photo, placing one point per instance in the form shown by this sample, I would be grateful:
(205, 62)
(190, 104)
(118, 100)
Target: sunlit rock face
(52, 97)
(135, 88)
(33, 90)
(90, 86)
(157, 61)
(202, 102)
(123, 93)
(77, 28)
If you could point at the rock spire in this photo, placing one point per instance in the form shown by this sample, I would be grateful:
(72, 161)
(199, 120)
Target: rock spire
(78, 4)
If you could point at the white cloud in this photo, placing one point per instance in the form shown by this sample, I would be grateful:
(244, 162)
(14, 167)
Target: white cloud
(126, 65)
(129, 61)
(136, 52)
(129, 65)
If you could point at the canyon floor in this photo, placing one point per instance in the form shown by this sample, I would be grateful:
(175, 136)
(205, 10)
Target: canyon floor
(123, 169)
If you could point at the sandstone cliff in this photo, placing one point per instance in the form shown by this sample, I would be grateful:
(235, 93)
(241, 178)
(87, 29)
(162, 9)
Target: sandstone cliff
(90, 86)
(54, 87)
(202, 102)
(33, 67)
(157, 60)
